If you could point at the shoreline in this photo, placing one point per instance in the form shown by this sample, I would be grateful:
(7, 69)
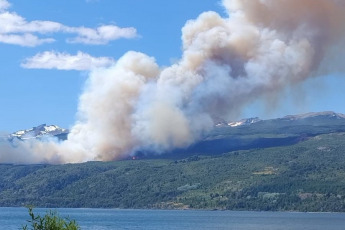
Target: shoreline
(152, 209)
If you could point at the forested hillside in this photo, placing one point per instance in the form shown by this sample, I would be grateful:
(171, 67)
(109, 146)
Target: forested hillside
(307, 176)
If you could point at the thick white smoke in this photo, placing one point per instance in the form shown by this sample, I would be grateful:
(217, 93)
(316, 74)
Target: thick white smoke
(262, 46)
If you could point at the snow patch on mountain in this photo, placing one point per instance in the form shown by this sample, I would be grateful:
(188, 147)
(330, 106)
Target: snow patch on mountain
(247, 121)
(39, 132)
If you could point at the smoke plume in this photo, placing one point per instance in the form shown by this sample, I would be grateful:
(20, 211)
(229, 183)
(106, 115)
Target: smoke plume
(262, 46)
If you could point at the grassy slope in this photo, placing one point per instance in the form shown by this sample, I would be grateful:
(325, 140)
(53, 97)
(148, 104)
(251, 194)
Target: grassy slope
(308, 176)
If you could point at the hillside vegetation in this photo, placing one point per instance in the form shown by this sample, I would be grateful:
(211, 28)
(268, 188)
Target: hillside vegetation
(307, 175)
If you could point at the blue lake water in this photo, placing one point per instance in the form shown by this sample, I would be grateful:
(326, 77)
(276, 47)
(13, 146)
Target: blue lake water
(106, 219)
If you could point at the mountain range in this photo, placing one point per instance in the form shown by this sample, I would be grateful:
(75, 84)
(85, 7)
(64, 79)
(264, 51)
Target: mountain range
(228, 135)
(256, 133)
(228, 128)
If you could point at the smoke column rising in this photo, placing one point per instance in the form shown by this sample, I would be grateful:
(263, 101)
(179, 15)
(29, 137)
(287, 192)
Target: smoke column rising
(262, 46)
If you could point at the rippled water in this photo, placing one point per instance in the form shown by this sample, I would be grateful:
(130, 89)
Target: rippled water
(106, 219)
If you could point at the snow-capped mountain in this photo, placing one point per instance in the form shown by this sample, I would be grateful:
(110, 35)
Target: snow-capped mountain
(328, 115)
(40, 132)
(244, 122)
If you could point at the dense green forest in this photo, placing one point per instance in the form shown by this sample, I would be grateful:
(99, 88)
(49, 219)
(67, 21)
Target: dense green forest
(307, 176)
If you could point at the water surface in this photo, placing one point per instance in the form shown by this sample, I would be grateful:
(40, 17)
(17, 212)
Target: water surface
(106, 219)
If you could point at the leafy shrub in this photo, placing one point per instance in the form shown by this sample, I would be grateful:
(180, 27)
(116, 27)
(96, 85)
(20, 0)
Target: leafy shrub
(51, 221)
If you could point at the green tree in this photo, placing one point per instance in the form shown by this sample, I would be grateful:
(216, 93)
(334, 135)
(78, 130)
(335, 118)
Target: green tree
(50, 221)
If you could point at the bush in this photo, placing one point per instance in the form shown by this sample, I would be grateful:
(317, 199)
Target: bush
(51, 221)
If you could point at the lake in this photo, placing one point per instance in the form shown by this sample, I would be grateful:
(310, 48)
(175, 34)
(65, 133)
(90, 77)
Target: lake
(106, 219)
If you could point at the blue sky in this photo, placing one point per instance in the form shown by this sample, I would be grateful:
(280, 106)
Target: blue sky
(34, 91)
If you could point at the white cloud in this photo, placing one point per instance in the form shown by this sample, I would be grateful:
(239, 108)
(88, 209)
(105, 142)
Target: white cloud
(24, 39)
(13, 23)
(16, 30)
(102, 34)
(64, 61)
(4, 4)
